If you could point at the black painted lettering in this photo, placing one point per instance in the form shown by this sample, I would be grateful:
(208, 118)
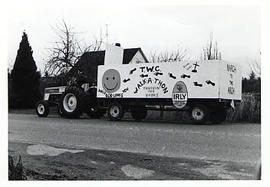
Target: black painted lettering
(176, 96)
(149, 69)
(142, 68)
(165, 90)
(231, 90)
(231, 68)
(183, 96)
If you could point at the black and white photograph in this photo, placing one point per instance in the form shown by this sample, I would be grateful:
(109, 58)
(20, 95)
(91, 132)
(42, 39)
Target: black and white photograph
(128, 91)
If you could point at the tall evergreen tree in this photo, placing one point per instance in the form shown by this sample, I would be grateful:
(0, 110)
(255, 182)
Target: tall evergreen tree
(25, 77)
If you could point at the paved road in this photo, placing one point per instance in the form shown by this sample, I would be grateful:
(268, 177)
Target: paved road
(227, 142)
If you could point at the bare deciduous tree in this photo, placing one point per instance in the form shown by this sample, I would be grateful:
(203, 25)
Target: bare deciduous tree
(211, 52)
(176, 55)
(67, 50)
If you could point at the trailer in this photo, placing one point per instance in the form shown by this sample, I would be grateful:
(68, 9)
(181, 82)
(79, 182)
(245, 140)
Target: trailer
(205, 89)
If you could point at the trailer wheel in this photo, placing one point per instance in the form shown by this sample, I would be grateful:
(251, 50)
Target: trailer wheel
(94, 113)
(138, 113)
(42, 108)
(115, 111)
(218, 116)
(90, 105)
(199, 114)
(71, 102)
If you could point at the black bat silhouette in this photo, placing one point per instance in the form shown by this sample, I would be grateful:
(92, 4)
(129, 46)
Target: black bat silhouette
(172, 76)
(131, 71)
(197, 84)
(185, 76)
(158, 73)
(126, 80)
(210, 82)
(142, 75)
(125, 90)
(195, 66)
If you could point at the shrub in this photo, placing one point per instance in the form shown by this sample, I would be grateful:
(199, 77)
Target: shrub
(249, 109)
(15, 172)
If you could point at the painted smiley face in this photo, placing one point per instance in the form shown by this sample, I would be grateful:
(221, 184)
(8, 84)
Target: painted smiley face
(111, 80)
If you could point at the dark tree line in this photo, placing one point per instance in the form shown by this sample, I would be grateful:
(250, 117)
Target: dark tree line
(24, 78)
(252, 84)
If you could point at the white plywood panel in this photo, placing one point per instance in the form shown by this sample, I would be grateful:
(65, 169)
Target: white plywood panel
(113, 55)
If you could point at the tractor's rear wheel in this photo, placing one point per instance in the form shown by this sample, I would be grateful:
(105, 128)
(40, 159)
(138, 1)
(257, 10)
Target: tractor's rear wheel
(71, 104)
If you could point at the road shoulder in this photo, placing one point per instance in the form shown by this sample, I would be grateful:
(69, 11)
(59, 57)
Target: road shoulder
(44, 162)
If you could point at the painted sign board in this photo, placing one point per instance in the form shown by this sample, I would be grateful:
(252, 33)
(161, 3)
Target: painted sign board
(230, 78)
(176, 80)
(180, 95)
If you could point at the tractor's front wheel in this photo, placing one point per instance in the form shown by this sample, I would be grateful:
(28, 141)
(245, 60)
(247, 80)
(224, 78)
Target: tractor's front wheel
(42, 108)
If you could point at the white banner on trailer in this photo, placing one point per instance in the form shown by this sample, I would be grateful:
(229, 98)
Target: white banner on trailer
(197, 79)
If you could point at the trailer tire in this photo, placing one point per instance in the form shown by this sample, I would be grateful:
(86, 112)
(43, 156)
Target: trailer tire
(115, 111)
(71, 102)
(91, 107)
(42, 108)
(218, 116)
(95, 113)
(199, 114)
(139, 113)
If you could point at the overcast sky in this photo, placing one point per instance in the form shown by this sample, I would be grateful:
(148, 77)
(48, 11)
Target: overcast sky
(152, 27)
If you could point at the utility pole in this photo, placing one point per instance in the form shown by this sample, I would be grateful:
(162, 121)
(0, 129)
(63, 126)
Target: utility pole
(107, 35)
(100, 36)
